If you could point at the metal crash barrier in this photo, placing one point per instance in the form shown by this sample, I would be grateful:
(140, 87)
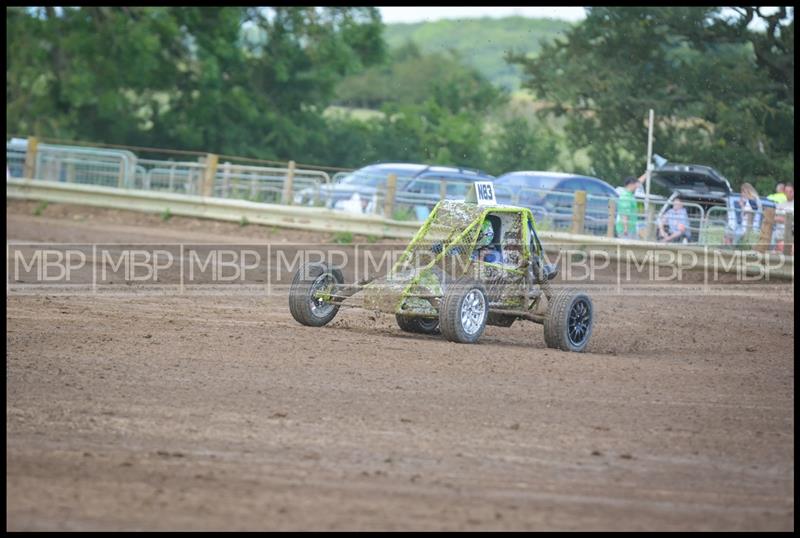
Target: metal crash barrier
(396, 197)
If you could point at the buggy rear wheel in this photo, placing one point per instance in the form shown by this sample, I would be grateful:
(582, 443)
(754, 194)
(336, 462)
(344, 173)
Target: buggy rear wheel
(310, 280)
(568, 325)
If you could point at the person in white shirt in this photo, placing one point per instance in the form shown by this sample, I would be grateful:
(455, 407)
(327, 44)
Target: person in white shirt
(782, 210)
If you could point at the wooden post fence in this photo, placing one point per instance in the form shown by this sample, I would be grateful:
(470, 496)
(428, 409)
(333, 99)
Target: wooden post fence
(288, 185)
(226, 179)
(788, 234)
(121, 175)
(254, 186)
(579, 212)
(388, 202)
(210, 173)
(765, 238)
(30, 157)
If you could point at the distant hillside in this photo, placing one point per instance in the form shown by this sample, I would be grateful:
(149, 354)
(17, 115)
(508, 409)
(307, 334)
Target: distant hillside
(482, 43)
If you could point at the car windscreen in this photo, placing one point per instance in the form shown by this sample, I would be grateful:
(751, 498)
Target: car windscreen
(520, 181)
(457, 184)
(689, 181)
(659, 189)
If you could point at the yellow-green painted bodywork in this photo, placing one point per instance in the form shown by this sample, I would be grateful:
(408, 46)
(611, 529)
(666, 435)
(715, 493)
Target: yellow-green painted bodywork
(409, 290)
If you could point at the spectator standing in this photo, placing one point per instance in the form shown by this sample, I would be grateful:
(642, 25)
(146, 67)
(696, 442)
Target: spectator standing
(779, 196)
(782, 210)
(788, 205)
(747, 211)
(627, 217)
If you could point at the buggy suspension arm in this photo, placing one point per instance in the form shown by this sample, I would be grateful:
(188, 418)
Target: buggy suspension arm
(532, 316)
(344, 291)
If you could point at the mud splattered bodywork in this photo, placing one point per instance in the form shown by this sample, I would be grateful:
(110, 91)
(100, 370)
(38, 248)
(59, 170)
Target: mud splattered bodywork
(442, 251)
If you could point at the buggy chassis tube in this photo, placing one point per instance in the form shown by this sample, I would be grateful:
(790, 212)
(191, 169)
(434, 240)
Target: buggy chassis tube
(440, 255)
(342, 292)
(530, 316)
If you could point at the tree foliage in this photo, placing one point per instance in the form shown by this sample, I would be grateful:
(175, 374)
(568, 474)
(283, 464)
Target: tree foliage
(522, 145)
(228, 79)
(434, 108)
(721, 90)
(255, 82)
(410, 77)
(480, 43)
(241, 81)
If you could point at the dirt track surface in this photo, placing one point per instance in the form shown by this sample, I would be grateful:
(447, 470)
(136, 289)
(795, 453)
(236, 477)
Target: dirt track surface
(145, 412)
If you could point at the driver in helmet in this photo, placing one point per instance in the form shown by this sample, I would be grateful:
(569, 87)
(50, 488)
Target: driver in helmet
(484, 250)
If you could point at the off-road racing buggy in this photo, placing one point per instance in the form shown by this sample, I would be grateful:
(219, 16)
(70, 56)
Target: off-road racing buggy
(442, 283)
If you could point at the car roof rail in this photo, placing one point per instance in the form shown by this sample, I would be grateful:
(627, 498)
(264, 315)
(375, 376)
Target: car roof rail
(427, 167)
(476, 170)
(459, 169)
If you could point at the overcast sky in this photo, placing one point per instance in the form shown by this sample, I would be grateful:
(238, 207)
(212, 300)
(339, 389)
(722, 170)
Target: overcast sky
(570, 13)
(417, 14)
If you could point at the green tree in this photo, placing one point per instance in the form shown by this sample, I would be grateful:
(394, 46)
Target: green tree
(260, 92)
(431, 133)
(434, 106)
(234, 80)
(76, 72)
(522, 145)
(481, 43)
(412, 78)
(722, 91)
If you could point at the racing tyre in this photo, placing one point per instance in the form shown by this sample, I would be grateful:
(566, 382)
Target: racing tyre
(415, 324)
(568, 325)
(309, 279)
(463, 312)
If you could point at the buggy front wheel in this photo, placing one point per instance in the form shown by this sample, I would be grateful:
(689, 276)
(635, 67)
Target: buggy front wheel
(463, 311)
(306, 296)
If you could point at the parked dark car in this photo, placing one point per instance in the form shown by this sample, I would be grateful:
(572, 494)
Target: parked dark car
(418, 186)
(692, 182)
(16, 150)
(550, 195)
